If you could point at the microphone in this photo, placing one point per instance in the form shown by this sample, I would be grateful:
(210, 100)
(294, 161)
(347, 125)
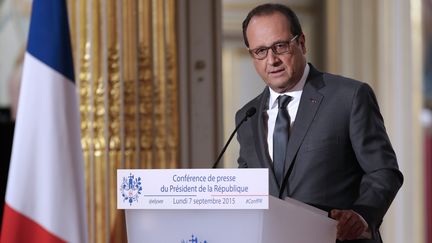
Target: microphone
(249, 113)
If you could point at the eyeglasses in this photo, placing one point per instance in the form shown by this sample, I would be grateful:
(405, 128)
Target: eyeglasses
(278, 48)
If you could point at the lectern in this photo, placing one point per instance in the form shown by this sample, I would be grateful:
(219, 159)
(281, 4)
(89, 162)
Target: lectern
(214, 206)
(284, 222)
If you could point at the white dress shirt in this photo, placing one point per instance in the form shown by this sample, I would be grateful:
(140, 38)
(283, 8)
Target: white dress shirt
(292, 107)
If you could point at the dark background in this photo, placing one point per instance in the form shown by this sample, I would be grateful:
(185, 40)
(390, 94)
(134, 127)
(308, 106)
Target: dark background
(6, 138)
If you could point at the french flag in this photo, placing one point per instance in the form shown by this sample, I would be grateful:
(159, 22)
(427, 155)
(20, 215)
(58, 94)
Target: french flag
(45, 197)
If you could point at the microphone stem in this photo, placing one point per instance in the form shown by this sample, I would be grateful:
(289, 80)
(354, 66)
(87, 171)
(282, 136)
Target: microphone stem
(229, 140)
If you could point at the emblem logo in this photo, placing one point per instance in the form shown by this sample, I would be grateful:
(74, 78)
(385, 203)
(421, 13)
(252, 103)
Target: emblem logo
(131, 188)
(194, 239)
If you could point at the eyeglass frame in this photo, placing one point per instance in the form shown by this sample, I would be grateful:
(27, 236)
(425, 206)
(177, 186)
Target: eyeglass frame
(252, 52)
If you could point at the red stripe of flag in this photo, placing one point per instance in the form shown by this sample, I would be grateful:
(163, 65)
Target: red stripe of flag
(32, 231)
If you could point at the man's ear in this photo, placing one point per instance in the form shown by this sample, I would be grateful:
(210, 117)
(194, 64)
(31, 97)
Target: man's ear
(302, 41)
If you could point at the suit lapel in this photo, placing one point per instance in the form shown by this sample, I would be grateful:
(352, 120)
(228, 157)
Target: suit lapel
(260, 136)
(309, 104)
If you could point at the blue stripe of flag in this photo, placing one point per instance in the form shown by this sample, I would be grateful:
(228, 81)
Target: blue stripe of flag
(49, 38)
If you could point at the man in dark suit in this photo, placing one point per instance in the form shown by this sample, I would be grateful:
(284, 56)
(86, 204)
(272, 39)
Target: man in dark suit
(321, 135)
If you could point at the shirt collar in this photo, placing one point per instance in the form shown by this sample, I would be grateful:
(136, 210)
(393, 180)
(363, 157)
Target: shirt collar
(294, 92)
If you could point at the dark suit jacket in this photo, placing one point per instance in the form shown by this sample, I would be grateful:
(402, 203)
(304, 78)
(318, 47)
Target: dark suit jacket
(339, 151)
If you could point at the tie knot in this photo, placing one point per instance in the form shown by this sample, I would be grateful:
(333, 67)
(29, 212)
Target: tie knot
(283, 101)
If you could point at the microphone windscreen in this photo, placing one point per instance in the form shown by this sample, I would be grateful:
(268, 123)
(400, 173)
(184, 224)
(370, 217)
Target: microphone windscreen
(251, 112)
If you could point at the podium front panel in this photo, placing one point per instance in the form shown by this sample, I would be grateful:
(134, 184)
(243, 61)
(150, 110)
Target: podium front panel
(194, 226)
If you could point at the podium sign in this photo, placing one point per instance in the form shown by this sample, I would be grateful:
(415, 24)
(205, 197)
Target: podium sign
(192, 189)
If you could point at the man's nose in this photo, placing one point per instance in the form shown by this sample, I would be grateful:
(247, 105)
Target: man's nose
(272, 58)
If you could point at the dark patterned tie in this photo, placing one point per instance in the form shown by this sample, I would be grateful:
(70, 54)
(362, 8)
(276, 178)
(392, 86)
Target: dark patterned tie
(281, 136)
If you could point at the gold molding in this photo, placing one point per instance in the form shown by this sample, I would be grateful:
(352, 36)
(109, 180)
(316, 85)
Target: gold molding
(127, 75)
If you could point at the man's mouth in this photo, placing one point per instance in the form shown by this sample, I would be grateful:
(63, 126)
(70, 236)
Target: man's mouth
(276, 71)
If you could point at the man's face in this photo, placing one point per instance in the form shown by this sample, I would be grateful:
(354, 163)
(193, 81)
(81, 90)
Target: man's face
(280, 72)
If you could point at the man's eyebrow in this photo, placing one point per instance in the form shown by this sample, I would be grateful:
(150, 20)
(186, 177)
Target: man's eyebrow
(276, 42)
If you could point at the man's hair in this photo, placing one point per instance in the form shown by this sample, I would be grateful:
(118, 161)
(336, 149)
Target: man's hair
(268, 9)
